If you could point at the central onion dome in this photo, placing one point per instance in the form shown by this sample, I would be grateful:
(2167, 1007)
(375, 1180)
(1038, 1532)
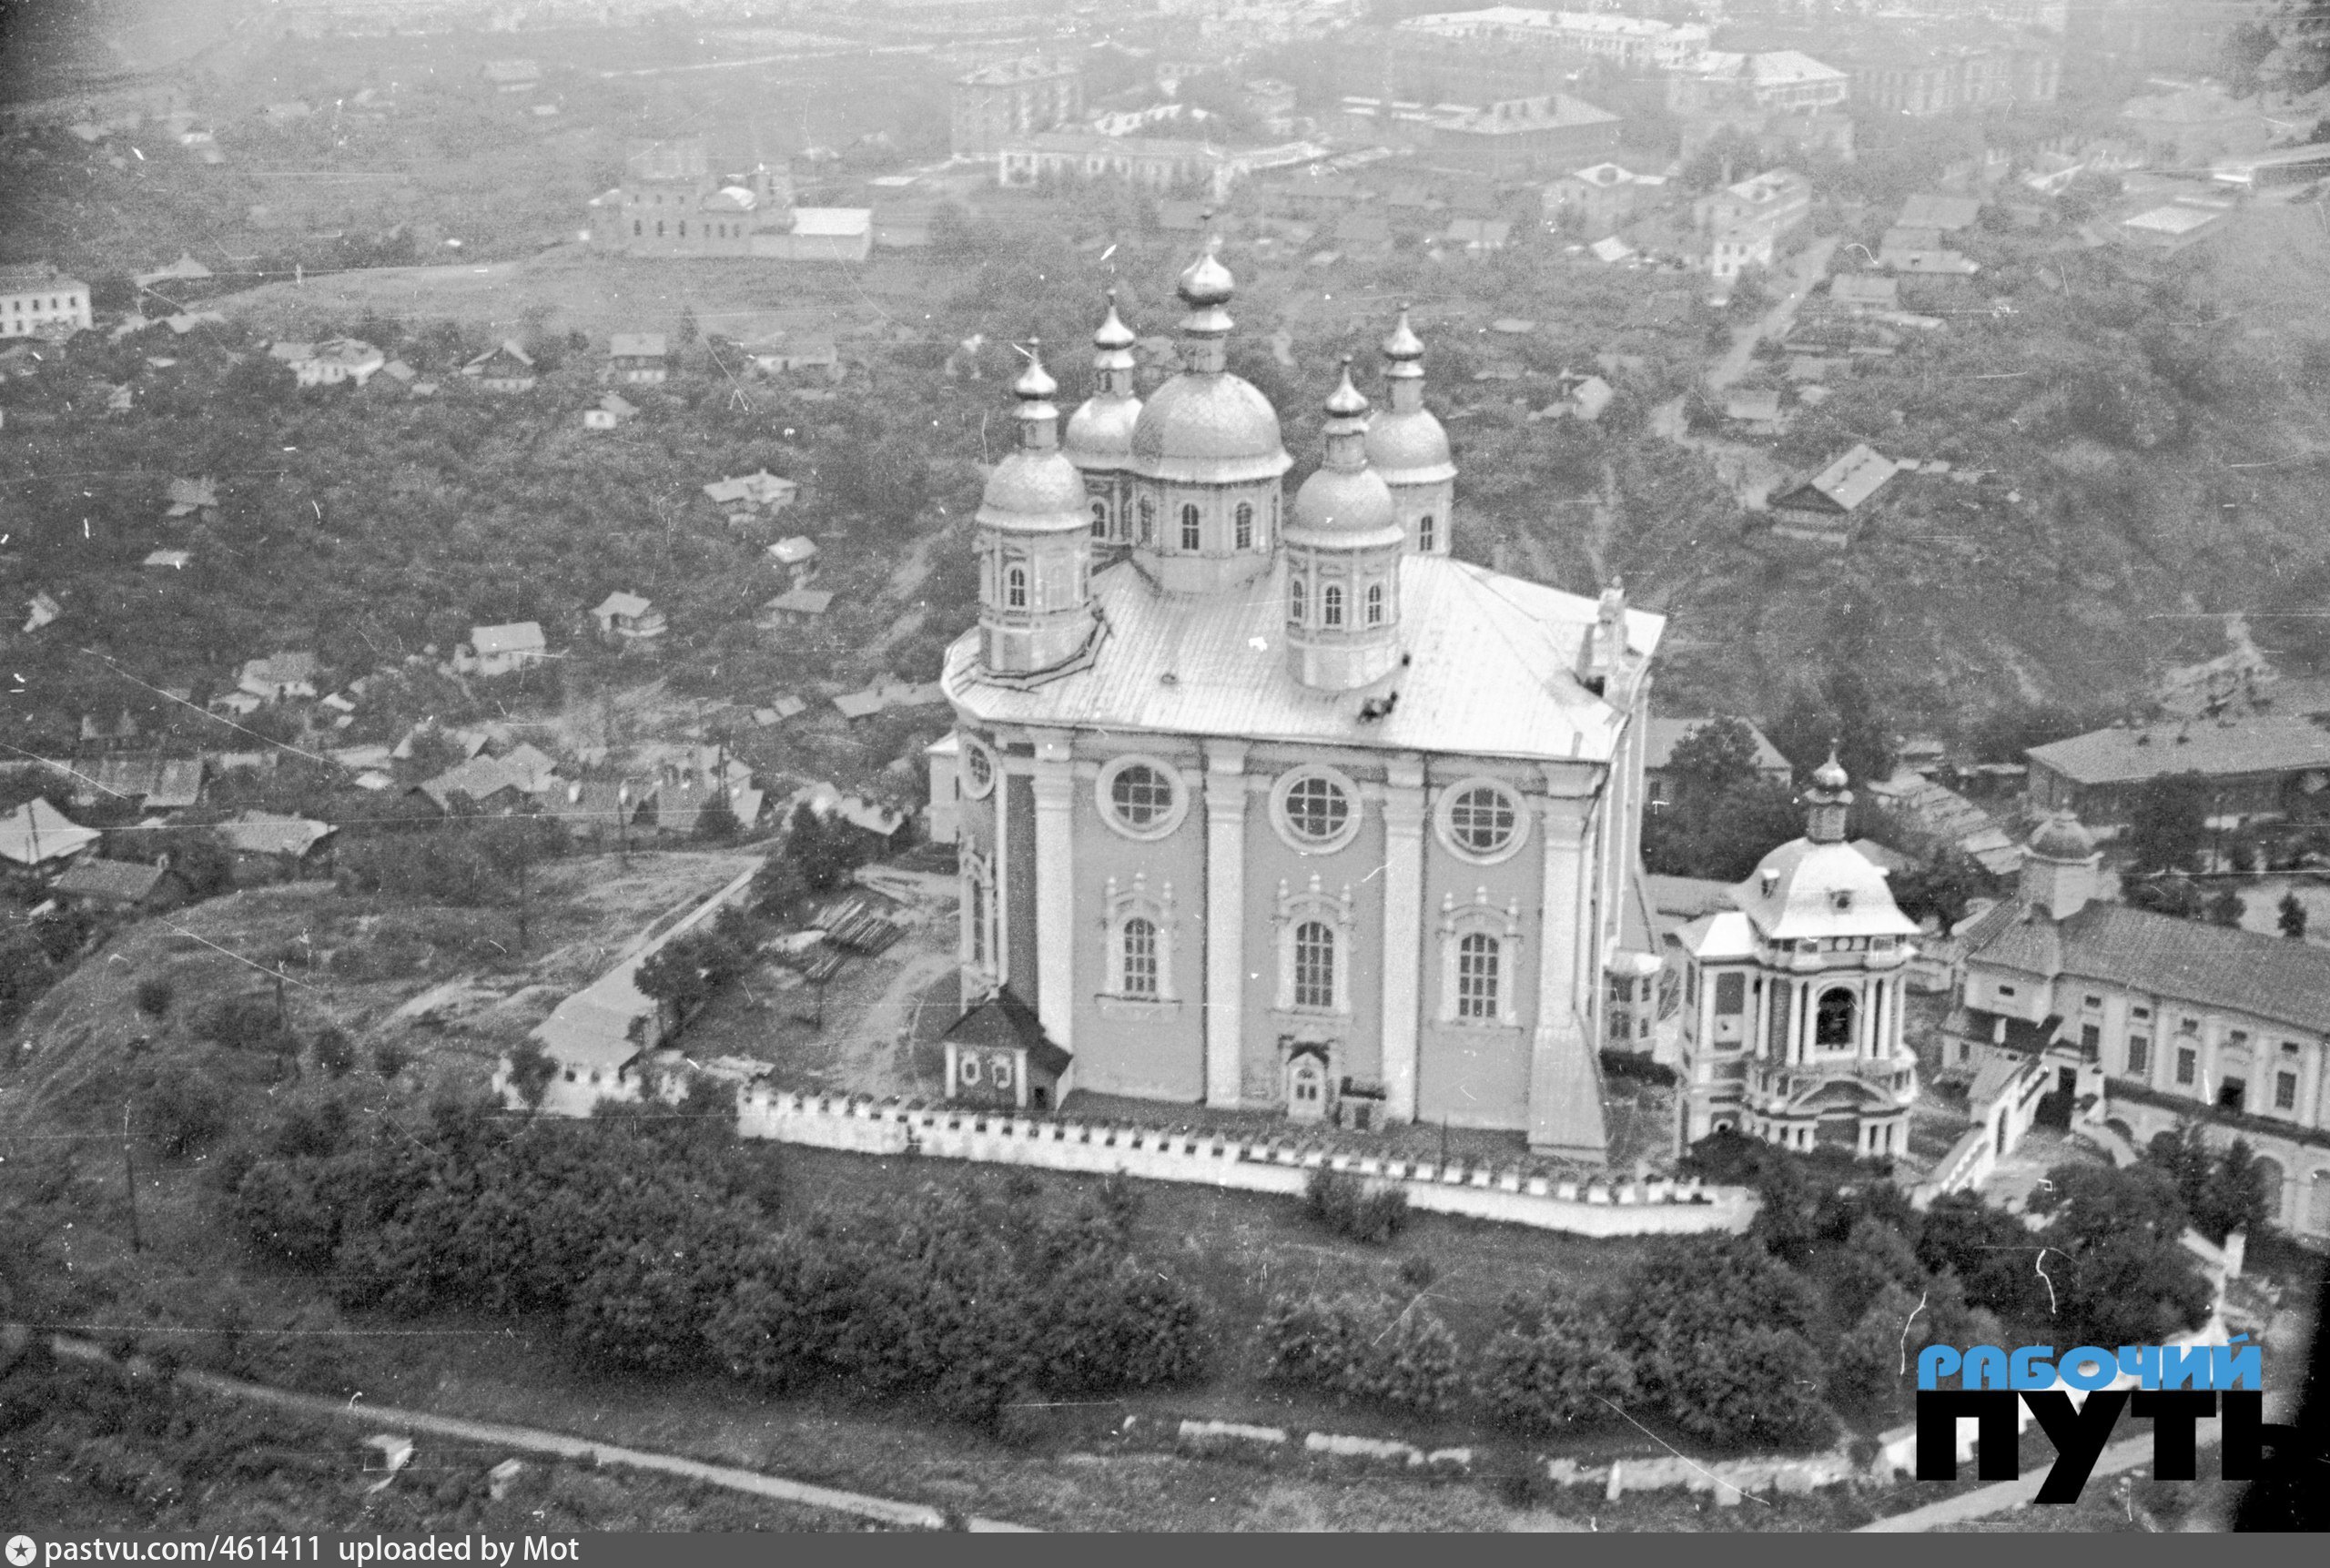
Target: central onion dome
(1344, 502)
(1099, 433)
(1035, 486)
(1206, 426)
(1406, 443)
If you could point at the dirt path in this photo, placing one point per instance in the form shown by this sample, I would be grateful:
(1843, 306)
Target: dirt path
(533, 1440)
(875, 1056)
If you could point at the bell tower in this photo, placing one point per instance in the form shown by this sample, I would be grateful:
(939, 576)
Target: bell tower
(1036, 617)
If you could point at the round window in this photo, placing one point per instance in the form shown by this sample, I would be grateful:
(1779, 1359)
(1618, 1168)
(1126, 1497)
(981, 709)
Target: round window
(978, 770)
(1481, 820)
(1141, 797)
(970, 1069)
(1317, 809)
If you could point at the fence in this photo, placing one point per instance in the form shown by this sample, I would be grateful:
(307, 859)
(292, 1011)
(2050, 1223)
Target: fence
(1510, 1194)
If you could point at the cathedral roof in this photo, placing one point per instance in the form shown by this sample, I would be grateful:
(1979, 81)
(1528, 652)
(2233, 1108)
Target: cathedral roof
(1805, 889)
(1409, 448)
(1209, 427)
(1490, 672)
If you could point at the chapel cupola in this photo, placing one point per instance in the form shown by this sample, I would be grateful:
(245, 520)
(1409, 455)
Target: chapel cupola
(1344, 544)
(2060, 867)
(1408, 447)
(1099, 433)
(1207, 456)
(1036, 614)
(1827, 803)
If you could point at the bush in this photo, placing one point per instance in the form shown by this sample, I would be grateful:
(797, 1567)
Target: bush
(1350, 1208)
(1635, 1066)
(389, 1058)
(335, 1052)
(1365, 1347)
(1552, 1365)
(187, 1109)
(154, 996)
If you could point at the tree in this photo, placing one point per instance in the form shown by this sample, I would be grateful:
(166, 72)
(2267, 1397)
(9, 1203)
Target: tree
(532, 1072)
(2290, 915)
(2168, 827)
(1714, 759)
(1553, 1364)
(2174, 894)
(1941, 886)
(1716, 1332)
(1866, 1377)
(716, 822)
(2127, 1278)
(2226, 908)
(685, 333)
(779, 884)
(2223, 1190)
(826, 852)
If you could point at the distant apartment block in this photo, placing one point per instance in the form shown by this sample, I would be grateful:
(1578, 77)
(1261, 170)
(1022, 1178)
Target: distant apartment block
(1514, 137)
(671, 204)
(39, 301)
(1157, 164)
(1002, 103)
(1631, 42)
(1779, 80)
(1602, 197)
(1767, 205)
(1925, 71)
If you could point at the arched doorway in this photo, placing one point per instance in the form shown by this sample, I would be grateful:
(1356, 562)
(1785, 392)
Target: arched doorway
(1832, 1020)
(1306, 1087)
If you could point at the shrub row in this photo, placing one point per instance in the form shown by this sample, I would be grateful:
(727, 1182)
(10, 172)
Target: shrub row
(1353, 1209)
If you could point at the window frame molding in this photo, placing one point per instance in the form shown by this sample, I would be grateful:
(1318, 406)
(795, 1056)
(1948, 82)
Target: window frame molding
(967, 778)
(1444, 815)
(1283, 825)
(1480, 917)
(1338, 912)
(1121, 903)
(1104, 800)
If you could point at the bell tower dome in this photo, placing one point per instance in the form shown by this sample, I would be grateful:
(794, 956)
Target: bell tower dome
(1036, 617)
(1407, 445)
(1099, 433)
(1344, 544)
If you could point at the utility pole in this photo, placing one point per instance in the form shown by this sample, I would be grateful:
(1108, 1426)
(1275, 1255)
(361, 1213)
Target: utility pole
(130, 1174)
(623, 818)
(525, 854)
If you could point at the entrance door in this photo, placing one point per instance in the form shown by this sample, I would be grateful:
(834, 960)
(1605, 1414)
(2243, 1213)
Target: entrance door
(2054, 1108)
(1306, 1088)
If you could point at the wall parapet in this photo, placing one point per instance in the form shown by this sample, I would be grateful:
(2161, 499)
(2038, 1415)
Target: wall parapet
(1589, 1206)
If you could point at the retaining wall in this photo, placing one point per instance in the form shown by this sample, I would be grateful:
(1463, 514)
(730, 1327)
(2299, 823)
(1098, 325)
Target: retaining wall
(1512, 1195)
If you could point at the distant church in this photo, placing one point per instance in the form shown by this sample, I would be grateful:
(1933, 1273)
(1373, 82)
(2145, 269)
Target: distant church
(1277, 805)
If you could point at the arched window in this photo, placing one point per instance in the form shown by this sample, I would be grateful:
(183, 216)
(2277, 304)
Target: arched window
(637, 228)
(1298, 607)
(1832, 1020)
(1100, 520)
(1147, 519)
(1331, 605)
(1375, 605)
(1314, 965)
(1245, 517)
(1191, 536)
(659, 228)
(1425, 531)
(1015, 588)
(683, 229)
(1140, 957)
(1477, 957)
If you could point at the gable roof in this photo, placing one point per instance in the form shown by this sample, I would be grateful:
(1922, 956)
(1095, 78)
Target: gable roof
(517, 637)
(2254, 746)
(268, 833)
(1865, 288)
(622, 603)
(1664, 736)
(118, 881)
(479, 778)
(1845, 484)
(801, 601)
(36, 832)
(2193, 961)
(637, 346)
(506, 349)
(1004, 1020)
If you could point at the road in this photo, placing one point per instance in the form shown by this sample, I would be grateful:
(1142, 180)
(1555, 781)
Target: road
(1983, 1502)
(533, 1440)
(1810, 267)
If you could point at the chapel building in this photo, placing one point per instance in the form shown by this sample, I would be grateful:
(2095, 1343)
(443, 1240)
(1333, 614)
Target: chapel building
(1271, 803)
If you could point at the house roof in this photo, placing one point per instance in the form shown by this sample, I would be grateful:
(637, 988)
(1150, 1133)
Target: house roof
(859, 705)
(1852, 478)
(801, 601)
(193, 493)
(638, 346)
(519, 636)
(1753, 404)
(479, 778)
(1687, 897)
(36, 832)
(762, 487)
(618, 404)
(116, 881)
(267, 833)
(793, 551)
(282, 669)
(622, 603)
(2254, 746)
(506, 349)
(178, 784)
(2176, 218)
(1946, 213)
(1865, 288)
(1818, 890)
(1006, 1021)
(833, 222)
(1664, 736)
(2193, 961)
(1489, 671)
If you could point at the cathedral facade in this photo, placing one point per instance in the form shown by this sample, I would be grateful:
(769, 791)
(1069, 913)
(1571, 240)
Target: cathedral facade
(1271, 803)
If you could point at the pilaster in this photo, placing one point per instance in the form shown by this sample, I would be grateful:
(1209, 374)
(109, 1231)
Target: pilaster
(1055, 791)
(1403, 812)
(1225, 917)
(1564, 1080)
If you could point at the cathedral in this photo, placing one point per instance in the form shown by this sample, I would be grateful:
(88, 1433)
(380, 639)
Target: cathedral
(1271, 803)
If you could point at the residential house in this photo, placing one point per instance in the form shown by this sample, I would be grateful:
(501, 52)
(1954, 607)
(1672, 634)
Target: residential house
(1157, 163)
(500, 650)
(195, 498)
(1000, 103)
(1731, 252)
(146, 781)
(512, 75)
(785, 354)
(483, 781)
(797, 555)
(504, 369)
(1822, 509)
(672, 204)
(330, 363)
(122, 884)
(628, 619)
(1949, 818)
(2255, 768)
(39, 301)
(114, 734)
(185, 270)
(1865, 293)
(1907, 250)
(640, 358)
(269, 847)
(1517, 137)
(1757, 409)
(279, 678)
(1726, 85)
(614, 410)
(1771, 204)
(1601, 198)
(1478, 235)
(1662, 736)
(38, 835)
(2141, 1022)
(942, 815)
(402, 374)
(534, 768)
(603, 811)
(2174, 227)
(167, 559)
(752, 496)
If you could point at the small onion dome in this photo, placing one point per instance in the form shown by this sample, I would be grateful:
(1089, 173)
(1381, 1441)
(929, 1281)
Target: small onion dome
(1345, 504)
(1830, 776)
(1113, 333)
(2060, 838)
(1035, 487)
(1404, 348)
(1206, 282)
(1035, 385)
